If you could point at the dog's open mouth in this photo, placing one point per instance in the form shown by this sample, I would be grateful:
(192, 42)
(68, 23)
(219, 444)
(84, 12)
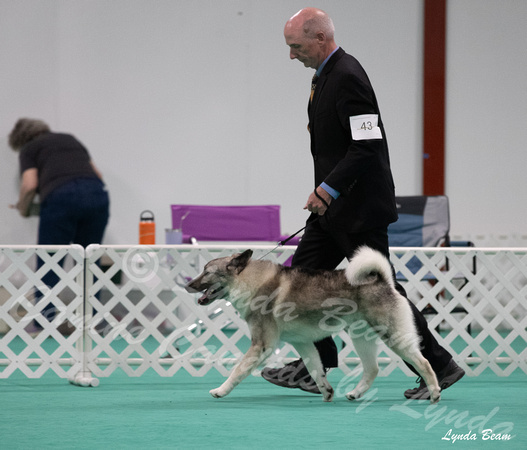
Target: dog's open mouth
(211, 294)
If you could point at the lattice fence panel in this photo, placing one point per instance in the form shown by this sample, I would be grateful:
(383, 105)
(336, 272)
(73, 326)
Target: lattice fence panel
(147, 320)
(40, 320)
(480, 297)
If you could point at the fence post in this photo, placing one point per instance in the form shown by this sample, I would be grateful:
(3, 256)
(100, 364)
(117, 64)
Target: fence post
(84, 377)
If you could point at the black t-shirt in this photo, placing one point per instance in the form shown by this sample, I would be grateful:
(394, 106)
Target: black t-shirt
(59, 158)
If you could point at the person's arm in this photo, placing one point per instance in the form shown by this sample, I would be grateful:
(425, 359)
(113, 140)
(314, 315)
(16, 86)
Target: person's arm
(358, 116)
(28, 190)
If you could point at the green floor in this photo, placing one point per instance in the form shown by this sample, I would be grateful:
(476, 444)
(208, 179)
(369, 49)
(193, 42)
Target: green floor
(151, 412)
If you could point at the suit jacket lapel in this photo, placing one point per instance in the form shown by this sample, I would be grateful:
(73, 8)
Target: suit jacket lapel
(323, 77)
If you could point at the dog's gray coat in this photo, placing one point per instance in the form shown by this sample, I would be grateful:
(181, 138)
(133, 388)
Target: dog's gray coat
(303, 306)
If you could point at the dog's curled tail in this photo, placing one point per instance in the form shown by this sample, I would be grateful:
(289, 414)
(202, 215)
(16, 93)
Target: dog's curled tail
(366, 263)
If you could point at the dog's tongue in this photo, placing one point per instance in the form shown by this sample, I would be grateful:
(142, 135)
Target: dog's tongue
(208, 296)
(204, 298)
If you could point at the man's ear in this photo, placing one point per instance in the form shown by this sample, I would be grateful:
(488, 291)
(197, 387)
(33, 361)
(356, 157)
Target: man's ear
(240, 261)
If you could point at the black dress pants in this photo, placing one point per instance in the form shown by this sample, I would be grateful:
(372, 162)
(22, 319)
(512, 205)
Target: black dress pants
(323, 247)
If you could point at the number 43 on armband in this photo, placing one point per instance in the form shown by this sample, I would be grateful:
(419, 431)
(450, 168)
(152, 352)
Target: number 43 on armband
(366, 126)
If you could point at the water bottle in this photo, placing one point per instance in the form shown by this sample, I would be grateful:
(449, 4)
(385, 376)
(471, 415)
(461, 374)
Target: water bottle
(147, 228)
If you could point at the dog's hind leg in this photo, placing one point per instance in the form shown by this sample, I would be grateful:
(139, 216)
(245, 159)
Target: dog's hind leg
(405, 344)
(311, 359)
(421, 364)
(366, 348)
(424, 368)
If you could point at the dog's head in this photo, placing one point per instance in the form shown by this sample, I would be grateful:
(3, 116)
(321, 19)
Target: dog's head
(217, 277)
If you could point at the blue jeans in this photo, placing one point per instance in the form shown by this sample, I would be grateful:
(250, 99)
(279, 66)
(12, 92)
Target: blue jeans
(74, 213)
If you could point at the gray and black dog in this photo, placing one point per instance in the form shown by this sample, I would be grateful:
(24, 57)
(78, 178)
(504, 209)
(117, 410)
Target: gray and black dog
(303, 306)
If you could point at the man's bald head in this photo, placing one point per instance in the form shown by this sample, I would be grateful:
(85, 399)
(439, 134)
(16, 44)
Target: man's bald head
(310, 34)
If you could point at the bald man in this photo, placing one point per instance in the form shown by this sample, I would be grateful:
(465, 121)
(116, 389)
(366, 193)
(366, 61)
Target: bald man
(354, 197)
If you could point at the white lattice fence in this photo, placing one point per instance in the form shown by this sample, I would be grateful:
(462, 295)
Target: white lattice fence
(176, 333)
(488, 286)
(39, 336)
(139, 317)
(148, 320)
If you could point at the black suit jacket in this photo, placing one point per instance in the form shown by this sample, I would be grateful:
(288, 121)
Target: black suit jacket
(358, 168)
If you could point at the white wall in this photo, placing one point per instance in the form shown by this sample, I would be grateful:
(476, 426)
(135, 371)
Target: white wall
(185, 101)
(486, 160)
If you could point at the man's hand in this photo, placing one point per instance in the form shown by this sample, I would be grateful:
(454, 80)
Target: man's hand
(317, 206)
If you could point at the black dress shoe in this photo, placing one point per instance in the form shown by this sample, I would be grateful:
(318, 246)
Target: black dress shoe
(446, 378)
(293, 375)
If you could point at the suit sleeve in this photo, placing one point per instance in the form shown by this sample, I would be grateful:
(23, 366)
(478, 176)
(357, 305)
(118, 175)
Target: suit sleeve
(354, 97)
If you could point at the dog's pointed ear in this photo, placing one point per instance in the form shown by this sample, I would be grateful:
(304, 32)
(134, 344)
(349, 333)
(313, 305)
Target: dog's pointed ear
(240, 261)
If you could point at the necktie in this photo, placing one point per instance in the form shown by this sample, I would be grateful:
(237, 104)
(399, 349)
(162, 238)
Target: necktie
(313, 86)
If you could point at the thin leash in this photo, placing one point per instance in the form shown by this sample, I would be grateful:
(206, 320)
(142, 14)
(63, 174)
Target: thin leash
(286, 240)
(283, 242)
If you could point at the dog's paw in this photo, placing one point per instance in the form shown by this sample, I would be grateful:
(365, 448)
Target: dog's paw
(353, 396)
(216, 393)
(328, 394)
(435, 398)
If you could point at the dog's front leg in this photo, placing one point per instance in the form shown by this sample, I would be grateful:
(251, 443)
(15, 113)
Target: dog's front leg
(255, 356)
(311, 358)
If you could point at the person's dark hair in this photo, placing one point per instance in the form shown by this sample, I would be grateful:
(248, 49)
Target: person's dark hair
(25, 130)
